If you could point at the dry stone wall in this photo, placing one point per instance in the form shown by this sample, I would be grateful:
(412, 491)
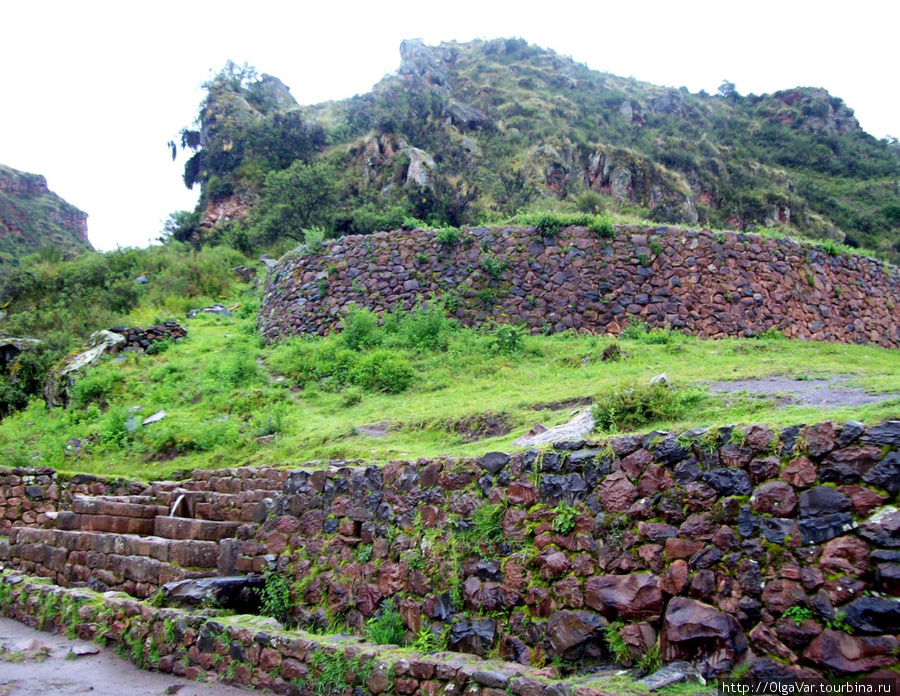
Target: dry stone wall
(713, 285)
(720, 547)
(261, 655)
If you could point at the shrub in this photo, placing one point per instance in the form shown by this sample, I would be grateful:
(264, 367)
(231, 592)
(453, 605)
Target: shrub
(637, 405)
(275, 597)
(491, 265)
(383, 370)
(426, 329)
(449, 236)
(507, 339)
(361, 329)
(602, 225)
(387, 627)
(589, 202)
(351, 396)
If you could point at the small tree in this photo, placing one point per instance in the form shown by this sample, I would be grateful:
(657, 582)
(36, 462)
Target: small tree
(297, 198)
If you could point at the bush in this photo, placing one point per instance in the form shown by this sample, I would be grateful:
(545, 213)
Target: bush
(426, 329)
(361, 330)
(507, 339)
(386, 628)
(449, 236)
(602, 225)
(383, 370)
(351, 396)
(637, 405)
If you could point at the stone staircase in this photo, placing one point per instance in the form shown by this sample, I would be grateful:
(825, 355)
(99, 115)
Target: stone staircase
(136, 543)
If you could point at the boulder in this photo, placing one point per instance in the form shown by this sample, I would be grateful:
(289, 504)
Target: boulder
(729, 481)
(568, 630)
(61, 379)
(845, 653)
(822, 500)
(873, 615)
(711, 639)
(239, 592)
(886, 434)
(775, 498)
(421, 167)
(883, 527)
(472, 636)
(635, 597)
(885, 474)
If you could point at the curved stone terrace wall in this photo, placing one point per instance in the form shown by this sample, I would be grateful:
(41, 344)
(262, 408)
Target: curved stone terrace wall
(712, 285)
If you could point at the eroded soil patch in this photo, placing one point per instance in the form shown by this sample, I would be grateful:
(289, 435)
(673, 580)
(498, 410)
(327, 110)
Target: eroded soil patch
(814, 392)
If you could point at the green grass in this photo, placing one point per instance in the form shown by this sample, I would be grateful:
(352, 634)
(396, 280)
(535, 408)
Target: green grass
(220, 391)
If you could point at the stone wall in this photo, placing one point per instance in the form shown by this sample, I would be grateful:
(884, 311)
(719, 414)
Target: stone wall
(724, 546)
(259, 655)
(27, 495)
(713, 285)
(700, 544)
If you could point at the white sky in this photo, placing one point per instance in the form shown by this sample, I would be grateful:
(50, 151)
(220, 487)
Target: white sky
(93, 90)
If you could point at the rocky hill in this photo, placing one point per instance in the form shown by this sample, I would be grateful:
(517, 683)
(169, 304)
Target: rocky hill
(32, 218)
(472, 133)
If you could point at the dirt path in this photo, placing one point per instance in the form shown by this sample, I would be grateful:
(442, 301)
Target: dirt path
(787, 391)
(33, 663)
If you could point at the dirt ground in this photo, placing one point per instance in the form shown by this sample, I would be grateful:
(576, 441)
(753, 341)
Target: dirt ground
(820, 392)
(33, 663)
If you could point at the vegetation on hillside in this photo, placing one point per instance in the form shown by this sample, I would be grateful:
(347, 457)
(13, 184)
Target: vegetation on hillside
(416, 386)
(62, 302)
(512, 128)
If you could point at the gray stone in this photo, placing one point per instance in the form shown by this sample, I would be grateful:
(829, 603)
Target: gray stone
(729, 481)
(885, 434)
(885, 474)
(493, 461)
(674, 673)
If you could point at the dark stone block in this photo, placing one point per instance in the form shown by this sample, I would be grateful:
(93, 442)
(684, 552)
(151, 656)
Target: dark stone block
(886, 474)
(822, 500)
(776, 529)
(884, 434)
(747, 522)
(687, 471)
(494, 461)
(873, 615)
(485, 484)
(826, 527)
(569, 445)
(729, 481)
(850, 433)
(788, 439)
(669, 452)
(567, 488)
(551, 463)
(473, 637)
(577, 460)
(707, 557)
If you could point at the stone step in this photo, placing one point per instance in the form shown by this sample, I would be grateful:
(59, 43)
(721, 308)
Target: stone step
(185, 528)
(120, 506)
(72, 521)
(134, 564)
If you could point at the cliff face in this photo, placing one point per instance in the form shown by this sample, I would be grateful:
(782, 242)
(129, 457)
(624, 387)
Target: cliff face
(33, 217)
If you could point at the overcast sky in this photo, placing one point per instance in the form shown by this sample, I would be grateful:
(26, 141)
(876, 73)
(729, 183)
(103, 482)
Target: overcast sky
(93, 91)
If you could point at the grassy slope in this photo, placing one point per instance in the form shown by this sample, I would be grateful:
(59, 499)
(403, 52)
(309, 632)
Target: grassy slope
(219, 395)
